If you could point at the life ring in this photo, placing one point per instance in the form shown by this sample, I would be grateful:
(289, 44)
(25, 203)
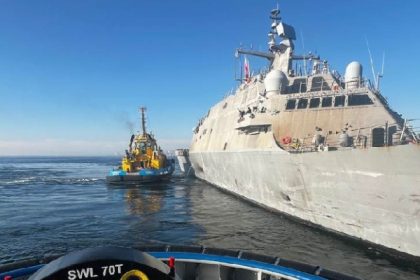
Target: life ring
(134, 274)
(286, 140)
(336, 88)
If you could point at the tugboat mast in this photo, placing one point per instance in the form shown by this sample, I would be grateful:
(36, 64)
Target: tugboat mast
(143, 120)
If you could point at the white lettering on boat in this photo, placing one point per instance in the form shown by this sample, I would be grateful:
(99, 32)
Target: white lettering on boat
(88, 272)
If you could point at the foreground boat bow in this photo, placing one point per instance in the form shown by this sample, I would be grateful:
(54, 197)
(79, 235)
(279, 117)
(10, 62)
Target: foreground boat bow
(166, 262)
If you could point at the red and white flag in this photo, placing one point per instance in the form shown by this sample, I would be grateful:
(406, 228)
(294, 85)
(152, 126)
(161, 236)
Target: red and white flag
(246, 70)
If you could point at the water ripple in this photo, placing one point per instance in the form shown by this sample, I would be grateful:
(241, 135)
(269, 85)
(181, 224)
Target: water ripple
(56, 205)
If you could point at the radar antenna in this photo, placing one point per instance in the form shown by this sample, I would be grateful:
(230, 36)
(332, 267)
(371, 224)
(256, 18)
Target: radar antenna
(275, 14)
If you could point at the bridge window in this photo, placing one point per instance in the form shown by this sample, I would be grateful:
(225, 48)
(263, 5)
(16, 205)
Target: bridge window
(291, 104)
(314, 103)
(358, 100)
(326, 101)
(299, 85)
(339, 101)
(318, 83)
(303, 103)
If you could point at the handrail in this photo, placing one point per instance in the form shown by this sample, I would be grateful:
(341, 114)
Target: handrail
(34, 264)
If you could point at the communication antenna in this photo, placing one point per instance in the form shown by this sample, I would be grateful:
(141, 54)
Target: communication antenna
(371, 65)
(304, 56)
(235, 64)
(238, 59)
(383, 63)
(241, 62)
(381, 75)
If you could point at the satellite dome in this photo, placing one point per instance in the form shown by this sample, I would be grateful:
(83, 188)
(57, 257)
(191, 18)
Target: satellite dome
(353, 75)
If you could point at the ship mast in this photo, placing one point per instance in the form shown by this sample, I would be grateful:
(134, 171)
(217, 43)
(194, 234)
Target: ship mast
(280, 55)
(143, 120)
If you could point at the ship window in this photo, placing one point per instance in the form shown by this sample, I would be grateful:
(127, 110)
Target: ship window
(291, 104)
(299, 85)
(314, 103)
(391, 131)
(318, 83)
(358, 100)
(339, 101)
(303, 103)
(326, 102)
(378, 135)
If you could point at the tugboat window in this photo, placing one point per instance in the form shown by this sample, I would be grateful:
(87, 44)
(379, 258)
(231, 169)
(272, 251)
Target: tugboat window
(326, 102)
(314, 103)
(339, 101)
(291, 104)
(303, 103)
(358, 100)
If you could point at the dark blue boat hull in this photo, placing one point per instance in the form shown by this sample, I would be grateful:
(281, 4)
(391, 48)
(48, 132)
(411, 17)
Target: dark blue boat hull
(142, 176)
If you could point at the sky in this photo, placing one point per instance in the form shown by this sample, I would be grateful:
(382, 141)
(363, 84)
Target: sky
(74, 73)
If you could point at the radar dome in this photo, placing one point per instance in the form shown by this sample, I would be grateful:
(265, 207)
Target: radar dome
(353, 75)
(275, 81)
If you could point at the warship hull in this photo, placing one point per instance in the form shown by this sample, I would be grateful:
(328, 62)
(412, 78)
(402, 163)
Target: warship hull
(369, 194)
(324, 148)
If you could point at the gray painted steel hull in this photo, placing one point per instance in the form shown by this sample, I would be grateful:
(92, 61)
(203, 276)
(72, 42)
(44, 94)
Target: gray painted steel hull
(372, 194)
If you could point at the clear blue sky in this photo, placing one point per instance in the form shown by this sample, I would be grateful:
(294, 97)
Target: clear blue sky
(73, 73)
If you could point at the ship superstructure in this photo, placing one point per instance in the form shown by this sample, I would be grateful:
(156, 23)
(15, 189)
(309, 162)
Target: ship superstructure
(315, 145)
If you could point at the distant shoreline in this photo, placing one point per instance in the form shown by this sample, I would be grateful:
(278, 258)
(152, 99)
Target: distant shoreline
(58, 156)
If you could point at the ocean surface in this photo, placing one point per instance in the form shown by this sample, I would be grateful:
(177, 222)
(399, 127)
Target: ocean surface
(56, 205)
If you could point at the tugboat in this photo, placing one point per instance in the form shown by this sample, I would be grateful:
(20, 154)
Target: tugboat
(144, 160)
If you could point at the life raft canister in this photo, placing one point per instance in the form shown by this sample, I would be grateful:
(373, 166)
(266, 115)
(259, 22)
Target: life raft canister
(286, 140)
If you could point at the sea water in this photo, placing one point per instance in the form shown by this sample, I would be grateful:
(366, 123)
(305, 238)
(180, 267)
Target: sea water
(54, 205)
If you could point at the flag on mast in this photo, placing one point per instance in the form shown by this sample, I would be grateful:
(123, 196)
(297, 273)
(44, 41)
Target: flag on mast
(246, 69)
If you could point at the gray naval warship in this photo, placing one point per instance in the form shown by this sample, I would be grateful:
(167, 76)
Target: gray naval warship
(322, 148)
